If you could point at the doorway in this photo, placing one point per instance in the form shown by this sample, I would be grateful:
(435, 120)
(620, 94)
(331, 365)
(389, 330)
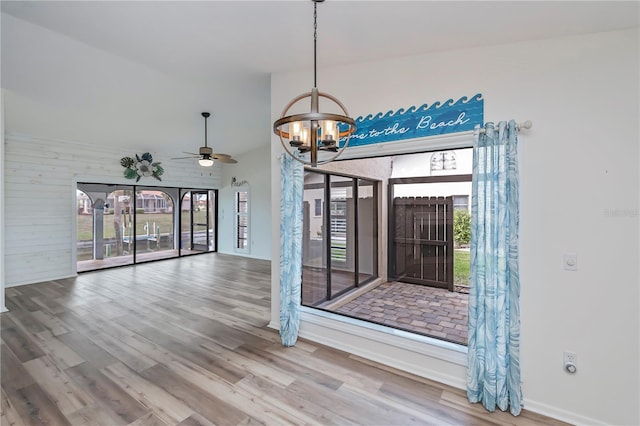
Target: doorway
(421, 239)
(197, 222)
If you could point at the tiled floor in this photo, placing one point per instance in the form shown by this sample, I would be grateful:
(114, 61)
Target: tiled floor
(425, 310)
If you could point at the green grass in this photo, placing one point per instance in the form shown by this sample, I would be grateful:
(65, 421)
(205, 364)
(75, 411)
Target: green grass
(339, 250)
(461, 266)
(85, 224)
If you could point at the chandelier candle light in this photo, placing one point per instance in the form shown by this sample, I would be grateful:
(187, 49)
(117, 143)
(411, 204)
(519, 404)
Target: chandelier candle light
(314, 133)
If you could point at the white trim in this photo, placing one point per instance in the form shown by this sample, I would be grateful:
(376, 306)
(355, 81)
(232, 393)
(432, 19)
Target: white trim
(38, 281)
(411, 146)
(437, 348)
(74, 225)
(559, 414)
(3, 308)
(426, 357)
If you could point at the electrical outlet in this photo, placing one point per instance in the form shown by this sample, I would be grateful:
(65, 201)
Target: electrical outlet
(570, 361)
(570, 357)
(570, 262)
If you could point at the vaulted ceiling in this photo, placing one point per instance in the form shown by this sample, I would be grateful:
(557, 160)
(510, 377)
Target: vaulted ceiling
(139, 73)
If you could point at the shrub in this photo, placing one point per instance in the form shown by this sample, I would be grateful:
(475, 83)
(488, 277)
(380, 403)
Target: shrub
(462, 226)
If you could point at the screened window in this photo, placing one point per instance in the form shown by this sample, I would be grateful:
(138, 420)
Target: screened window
(242, 221)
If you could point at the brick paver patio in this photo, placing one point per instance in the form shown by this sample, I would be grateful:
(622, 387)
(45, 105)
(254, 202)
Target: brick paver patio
(425, 310)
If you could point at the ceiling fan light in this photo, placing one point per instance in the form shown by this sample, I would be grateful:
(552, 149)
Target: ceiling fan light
(205, 162)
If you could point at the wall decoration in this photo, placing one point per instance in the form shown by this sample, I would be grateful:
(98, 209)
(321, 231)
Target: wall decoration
(142, 165)
(235, 182)
(427, 120)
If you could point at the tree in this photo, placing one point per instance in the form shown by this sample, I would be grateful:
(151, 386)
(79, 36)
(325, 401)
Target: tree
(461, 226)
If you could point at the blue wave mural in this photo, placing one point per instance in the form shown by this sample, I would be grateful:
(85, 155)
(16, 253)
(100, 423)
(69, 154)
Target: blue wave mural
(419, 122)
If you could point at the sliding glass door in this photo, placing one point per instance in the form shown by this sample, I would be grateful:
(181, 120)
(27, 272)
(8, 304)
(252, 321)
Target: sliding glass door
(367, 230)
(341, 234)
(314, 240)
(197, 223)
(340, 245)
(127, 224)
(154, 224)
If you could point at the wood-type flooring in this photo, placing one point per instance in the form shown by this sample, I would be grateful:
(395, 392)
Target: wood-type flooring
(184, 342)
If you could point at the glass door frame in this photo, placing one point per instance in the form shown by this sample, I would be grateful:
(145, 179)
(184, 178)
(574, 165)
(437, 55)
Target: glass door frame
(211, 216)
(193, 224)
(328, 266)
(88, 188)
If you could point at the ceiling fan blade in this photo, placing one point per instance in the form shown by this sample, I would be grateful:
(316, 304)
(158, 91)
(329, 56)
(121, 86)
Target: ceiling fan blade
(184, 158)
(226, 160)
(190, 153)
(216, 154)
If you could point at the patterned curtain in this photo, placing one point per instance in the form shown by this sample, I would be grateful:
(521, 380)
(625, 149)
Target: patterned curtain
(493, 375)
(292, 183)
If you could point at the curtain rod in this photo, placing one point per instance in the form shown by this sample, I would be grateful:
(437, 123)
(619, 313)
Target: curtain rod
(519, 126)
(524, 126)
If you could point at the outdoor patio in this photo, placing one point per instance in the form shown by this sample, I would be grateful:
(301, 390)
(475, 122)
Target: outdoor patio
(424, 310)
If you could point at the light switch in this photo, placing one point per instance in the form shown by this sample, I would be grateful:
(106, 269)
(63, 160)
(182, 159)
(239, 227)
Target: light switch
(570, 262)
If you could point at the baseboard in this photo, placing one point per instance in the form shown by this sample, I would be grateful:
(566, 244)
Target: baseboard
(246, 255)
(43, 280)
(560, 414)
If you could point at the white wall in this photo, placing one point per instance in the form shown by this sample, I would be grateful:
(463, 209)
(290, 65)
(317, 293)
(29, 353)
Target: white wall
(254, 168)
(579, 193)
(40, 199)
(73, 91)
(2, 236)
(420, 164)
(72, 112)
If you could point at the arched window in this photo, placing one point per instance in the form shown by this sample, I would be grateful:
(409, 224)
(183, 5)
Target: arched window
(443, 160)
(129, 224)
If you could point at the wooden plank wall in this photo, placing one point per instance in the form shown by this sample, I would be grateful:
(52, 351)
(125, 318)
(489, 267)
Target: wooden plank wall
(40, 180)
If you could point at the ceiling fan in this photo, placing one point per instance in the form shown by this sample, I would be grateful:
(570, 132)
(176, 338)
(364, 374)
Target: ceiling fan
(205, 155)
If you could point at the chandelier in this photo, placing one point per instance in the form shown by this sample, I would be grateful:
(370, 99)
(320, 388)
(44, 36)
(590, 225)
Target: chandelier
(315, 137)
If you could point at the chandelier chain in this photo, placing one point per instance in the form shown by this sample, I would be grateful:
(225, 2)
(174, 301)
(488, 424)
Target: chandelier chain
(322, 132)
(315, 42)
